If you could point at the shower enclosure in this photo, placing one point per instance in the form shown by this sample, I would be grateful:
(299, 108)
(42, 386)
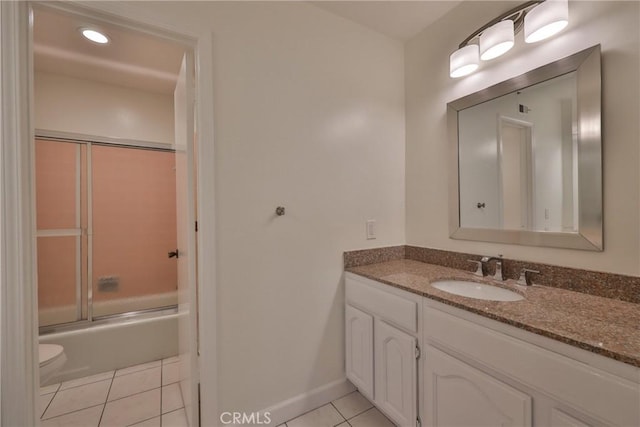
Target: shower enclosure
(106, 231)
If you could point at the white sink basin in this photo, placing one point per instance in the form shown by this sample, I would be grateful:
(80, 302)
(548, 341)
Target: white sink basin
(477, 290)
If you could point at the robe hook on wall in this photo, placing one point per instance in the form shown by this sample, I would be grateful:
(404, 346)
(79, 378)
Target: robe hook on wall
(280, 210)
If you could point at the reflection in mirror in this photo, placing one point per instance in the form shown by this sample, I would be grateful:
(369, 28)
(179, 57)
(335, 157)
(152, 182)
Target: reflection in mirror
(518, 159)
(526, 158)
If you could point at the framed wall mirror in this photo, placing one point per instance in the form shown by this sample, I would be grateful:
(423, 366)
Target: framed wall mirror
(526, 158)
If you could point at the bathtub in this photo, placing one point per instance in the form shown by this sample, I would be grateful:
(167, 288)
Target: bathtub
(115, 344)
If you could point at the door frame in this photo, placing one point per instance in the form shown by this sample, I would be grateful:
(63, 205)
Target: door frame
(530, 168)
(19, 385)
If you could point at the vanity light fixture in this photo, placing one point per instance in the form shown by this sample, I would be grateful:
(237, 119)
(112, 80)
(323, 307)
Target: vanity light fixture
(464, 61)
(545, 20)
(496, 40)
(539, 18)
(94, 35)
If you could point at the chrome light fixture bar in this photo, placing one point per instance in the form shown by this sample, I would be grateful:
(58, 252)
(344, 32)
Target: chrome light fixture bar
(539, 18)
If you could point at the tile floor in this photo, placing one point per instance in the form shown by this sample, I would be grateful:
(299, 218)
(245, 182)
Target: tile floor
(148, 395)
(350, 410)
(143, 395)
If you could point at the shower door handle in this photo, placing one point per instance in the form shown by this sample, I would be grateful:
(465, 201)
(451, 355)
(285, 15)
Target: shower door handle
(173, 254)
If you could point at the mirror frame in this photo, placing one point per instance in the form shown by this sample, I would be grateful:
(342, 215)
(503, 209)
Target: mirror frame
(589, 236)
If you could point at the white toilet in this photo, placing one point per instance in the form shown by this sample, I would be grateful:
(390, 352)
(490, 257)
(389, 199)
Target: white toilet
(52, 358)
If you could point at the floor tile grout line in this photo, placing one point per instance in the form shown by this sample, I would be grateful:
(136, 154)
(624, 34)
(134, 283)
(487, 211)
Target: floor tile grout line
(106, 399)
(72, 412)
(176, 410)
(141, 421)
(135, 372)
(138, 392)
(305, 413)
(113, 376)
(48, 404)
(51, 401)
(135, 394)
(371, 409)
(70, 388)
(171, 412)
(338, 411)
(80, 385)
(360, 413)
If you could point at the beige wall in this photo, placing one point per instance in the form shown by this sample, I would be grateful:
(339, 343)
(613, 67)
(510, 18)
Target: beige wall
(73, 105)
(309, 114)
(615, 25)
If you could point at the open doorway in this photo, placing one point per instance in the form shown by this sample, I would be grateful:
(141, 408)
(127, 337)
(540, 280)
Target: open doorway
(515, 162)
(115, 220)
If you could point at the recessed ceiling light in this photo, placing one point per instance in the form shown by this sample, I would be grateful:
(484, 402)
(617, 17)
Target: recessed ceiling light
(94, 36)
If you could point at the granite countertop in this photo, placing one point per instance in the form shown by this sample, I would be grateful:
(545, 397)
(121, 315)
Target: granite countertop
(605, 326)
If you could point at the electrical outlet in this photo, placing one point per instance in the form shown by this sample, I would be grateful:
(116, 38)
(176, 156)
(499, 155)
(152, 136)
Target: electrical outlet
(371, 229)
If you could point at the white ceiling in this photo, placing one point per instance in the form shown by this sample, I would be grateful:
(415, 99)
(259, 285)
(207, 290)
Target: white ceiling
(398, 19)
(131, 59)
(134, 59)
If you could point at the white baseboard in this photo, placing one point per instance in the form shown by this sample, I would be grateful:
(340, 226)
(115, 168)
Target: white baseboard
(305, 402)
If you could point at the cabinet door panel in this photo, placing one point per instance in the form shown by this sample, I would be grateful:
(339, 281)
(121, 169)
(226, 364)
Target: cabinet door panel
(561, 419)
(458, 394)
(395, 373)
(359, 349)
(397, 310)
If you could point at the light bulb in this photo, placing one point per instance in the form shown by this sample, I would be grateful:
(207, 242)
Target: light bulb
(94, 36)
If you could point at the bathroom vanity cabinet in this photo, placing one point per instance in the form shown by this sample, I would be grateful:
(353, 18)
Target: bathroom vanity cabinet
(475, 371)
(510, 377)
(383, 326)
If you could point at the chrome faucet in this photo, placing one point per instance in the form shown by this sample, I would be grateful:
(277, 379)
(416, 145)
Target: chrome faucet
(525, 277)
(478, 271)
(498, 274)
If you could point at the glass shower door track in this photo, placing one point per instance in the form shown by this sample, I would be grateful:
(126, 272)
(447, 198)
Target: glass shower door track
(109, 319)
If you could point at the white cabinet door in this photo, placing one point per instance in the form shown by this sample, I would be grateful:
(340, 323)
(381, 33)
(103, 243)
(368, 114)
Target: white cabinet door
(395, 356)
(359, 349)
(458, 394)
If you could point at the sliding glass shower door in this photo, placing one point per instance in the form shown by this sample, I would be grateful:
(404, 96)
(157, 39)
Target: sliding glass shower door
(61, 243)
(106, 222)
(134, 229)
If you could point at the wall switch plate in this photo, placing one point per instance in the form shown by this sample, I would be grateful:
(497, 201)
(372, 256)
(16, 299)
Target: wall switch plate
(371, 229)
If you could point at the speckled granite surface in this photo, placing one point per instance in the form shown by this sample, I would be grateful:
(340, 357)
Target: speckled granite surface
(605, 326)
(372, 256)
(608, 285)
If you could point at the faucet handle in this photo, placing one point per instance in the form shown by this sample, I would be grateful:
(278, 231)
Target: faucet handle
(478, 271)
(525, 277)
(498, 275)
